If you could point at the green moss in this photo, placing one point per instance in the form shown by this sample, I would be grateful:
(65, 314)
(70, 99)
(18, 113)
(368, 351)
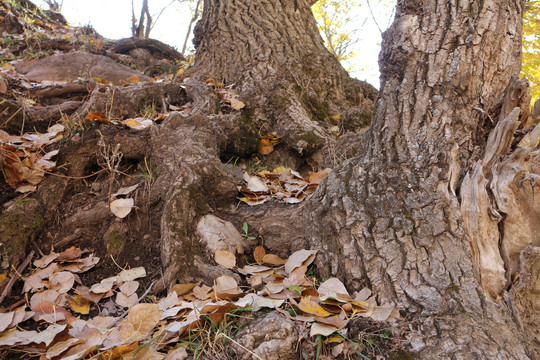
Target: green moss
(18, 226)
(198, 201)
(114, 241)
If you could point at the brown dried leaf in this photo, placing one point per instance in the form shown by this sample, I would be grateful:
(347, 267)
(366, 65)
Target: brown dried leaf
(265, 147)
(134, 79)
(131, 274)
(97, 116)
(237, 104)
(179, 353)
(225, 258)
(144, 317)
(62, 281)
(259, 254)
(202, 292)
(272, 259)
(46, 260)
(299, 258)
(226, 285)
(317, 177)
(322, 329)
(129, 288)
(126, 300)
(181, 289)
(3, 85)
(5, 320)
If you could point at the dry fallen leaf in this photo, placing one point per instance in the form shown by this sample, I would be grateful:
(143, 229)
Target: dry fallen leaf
(139, 123)
(299, 258)
(311, 307)
(144, 317)
(322, 329)
(97, 116)
(317, 177)
(177, 354)
(79, 304)
(272, 259)
(225, 258)
(121, 207)
(265, 147)
(134, 79)
(3, 85)
(237, 104)
(259, 254)
(182, 289)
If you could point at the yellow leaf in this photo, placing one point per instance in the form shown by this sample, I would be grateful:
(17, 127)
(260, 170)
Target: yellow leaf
(180, 72)
(334, 338)
(101, 81)
(8, 67)
(237, 104)
(311, 307)
(79, 304)
(139, 123)
(280, 170)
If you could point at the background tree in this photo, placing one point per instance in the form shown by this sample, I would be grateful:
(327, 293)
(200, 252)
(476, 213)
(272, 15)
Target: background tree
(531, 46)
(54, 5)
(141, 27)
(334, 19)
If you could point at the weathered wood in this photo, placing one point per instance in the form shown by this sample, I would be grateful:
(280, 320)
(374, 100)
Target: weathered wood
(157, 48)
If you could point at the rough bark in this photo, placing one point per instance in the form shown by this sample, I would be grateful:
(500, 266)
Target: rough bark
(396, 218)
(274, 55)
(392, 219)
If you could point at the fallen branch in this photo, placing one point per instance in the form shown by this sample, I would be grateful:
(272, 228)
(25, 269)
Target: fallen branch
(18, 273)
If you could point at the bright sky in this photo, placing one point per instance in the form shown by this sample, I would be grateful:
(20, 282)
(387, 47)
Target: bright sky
(112, 19)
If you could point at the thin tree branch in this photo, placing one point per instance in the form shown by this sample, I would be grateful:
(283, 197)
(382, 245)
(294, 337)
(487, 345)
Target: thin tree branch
(193, 20)
(373, 16)
(11, 282)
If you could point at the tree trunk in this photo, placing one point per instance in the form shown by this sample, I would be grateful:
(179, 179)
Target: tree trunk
(420, 216)
(400, 219)
(273, 53)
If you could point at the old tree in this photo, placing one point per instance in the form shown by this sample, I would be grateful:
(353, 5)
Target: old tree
(437, 212)
(434, 207)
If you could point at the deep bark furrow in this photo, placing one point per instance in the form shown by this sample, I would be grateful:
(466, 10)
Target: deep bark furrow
(420, 142)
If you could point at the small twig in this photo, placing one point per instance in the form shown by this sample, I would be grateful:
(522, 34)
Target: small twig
(481, 111)
(127, 311)
(71, 177)
(11, 282)
(373, 16)
(11, 117)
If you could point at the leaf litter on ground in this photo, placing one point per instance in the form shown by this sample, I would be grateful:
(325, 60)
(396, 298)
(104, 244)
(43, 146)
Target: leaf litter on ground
(282, 184)
(59, 305)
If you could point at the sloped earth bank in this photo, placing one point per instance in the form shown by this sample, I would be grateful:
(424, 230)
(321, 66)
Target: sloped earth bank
(186, 204)
(180, 165)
